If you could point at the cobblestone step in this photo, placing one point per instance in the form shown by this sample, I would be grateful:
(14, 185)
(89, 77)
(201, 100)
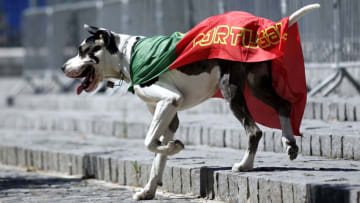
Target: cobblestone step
(198, 170)
(332, 108)
(330, 139)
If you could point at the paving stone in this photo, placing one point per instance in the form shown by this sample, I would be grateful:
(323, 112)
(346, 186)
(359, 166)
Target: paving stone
(349, 144)
(287, 192)
(177, 181)
(195, 135)
(318, 111)
(330, 110)
(243, 187)
(351, 111)
(216, 137)
(120, 129)
(277, 141)
(306, 144)
(221, 186)
(337, 146)
(269, 141)
(253, 189)
(315, 145)
(103, 127)
(186, 180)
(232, 138)
(325, 141)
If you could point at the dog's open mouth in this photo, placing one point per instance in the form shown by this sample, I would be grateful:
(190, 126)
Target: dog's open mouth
(88, 83)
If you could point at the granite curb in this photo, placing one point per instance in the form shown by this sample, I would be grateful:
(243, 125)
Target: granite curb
(330, 139)
(199, 170)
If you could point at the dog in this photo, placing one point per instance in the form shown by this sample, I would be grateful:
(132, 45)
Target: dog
(106, 54)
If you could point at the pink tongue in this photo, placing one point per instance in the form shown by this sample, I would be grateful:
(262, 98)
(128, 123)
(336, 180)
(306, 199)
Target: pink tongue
(79, 89)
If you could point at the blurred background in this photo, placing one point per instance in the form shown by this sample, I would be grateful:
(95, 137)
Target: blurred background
(38, 36)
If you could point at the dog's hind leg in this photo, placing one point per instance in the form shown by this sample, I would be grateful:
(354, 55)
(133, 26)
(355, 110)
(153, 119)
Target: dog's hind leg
(260, 85)
(231, 83)
(158, 166)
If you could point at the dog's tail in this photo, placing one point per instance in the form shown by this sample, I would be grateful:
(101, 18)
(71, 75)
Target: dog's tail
(301, 12)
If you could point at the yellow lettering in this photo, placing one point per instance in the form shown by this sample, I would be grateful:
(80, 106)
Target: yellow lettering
(222, 33)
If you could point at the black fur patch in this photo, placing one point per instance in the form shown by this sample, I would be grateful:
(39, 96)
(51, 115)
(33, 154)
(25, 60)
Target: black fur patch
(111, 45)
(150, 82)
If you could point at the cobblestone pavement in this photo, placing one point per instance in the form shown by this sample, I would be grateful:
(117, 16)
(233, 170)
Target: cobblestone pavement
(20, 185)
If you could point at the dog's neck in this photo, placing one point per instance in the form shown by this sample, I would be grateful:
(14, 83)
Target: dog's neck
(120, 64)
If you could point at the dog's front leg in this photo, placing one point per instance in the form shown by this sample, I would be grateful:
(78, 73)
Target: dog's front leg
(158, 166)
(166, 100)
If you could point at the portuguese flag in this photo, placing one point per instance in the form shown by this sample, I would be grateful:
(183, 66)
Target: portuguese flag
(235, 36)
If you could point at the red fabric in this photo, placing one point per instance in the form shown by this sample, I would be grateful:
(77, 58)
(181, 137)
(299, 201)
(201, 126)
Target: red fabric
(288, 71)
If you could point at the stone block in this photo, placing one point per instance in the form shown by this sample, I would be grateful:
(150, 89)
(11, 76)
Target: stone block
(221, 186)
(145, 170)
(103, 127)
(217, 137)
(114, 170)
(350, 111)
(309, 111)
(243, 186)
(306, 144)
(206, 136)
(337, 146)
(53, 161)
(186, 180)
(349, 144)
(120, 129)
(287, 192)
(315, 145)
(244, 139)
(168, 182)
(341, 111)
(232, 138)
(83, 125)
(325, 141)
(37, 159)
(253, 189)
(64, 163)
(196, 181)
(264, 190)
(136, 130)
(300, 192)
(132, 171)
(318, 113)
(21, 154)
(121, 172)
(177, 182)
(277, 141)
(99, 173)
(107, 169)
(330, 110)
(269, 141)
(195, 135)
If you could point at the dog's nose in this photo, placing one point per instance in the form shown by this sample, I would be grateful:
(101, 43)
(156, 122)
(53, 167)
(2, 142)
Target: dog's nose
(63, 68)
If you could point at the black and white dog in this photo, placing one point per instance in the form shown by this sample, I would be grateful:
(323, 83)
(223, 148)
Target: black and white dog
(106, 54)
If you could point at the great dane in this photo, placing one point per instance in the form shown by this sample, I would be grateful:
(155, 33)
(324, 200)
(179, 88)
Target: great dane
(106, 54)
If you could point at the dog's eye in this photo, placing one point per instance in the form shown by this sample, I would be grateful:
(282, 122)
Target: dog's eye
(96, 48)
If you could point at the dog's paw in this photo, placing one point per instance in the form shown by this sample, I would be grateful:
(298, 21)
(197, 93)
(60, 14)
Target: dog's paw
(175, 147)
(240, 167)
(143, 195)
(292, 151)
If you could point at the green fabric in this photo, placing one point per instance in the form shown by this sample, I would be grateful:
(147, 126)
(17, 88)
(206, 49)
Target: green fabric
(152, 57)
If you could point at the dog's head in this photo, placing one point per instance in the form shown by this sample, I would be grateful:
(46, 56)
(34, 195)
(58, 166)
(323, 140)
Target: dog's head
(92, 58)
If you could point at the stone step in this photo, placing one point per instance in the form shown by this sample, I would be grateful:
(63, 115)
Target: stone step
(199, 170)
(330, 139)
(332, 108)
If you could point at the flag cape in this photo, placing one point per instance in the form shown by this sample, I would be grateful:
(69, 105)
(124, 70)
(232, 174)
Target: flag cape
(236, 36)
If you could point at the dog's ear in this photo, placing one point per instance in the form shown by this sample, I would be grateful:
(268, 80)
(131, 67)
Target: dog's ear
(91, 29)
